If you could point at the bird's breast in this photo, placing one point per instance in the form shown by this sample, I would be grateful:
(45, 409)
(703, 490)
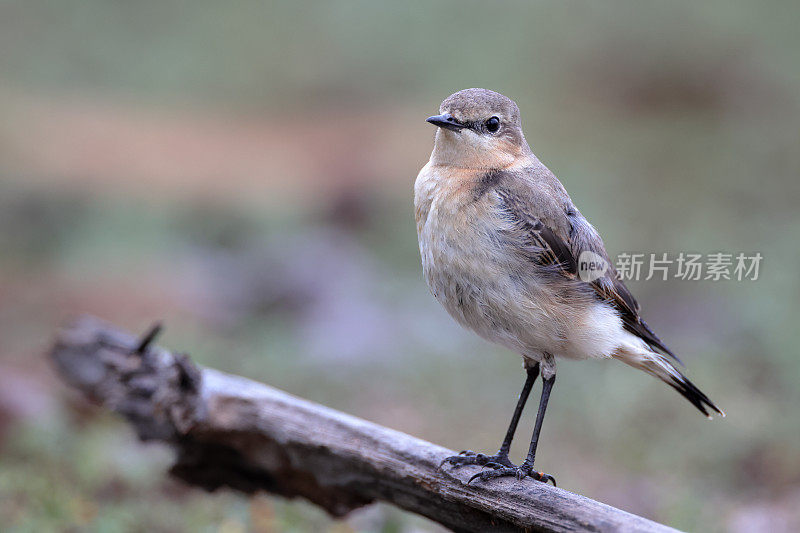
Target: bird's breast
(464, 262)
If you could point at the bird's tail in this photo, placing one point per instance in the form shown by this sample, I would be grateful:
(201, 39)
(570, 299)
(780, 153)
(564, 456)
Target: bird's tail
(659, 366)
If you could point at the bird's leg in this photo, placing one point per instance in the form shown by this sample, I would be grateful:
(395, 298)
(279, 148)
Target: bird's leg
(500, 459)
(526, 468)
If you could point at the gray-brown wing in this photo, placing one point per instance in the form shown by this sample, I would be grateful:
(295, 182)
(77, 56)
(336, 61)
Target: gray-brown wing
(562, 249)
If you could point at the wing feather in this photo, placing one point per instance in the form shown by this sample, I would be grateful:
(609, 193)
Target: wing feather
(550, 248)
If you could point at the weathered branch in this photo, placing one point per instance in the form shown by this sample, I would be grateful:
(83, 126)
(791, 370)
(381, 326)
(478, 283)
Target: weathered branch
(228, 431)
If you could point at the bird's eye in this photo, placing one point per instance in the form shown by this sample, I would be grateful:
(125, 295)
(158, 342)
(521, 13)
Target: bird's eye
(493, 124)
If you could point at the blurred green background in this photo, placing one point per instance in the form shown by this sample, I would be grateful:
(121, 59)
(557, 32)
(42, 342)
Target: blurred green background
(244, 173)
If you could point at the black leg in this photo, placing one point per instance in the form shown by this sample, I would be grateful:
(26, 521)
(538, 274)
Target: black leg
(547, 386)
(533, 372)
(468, 457)
(526, 468)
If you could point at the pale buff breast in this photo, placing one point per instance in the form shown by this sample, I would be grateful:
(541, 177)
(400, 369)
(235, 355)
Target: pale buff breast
(497, 294)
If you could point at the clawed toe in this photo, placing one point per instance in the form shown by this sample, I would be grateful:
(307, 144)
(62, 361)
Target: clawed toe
(468, 457)
(519, 472)
(498, 465)
(544, 478)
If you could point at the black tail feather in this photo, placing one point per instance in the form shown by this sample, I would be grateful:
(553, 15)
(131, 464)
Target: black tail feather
(659, 366)
(688, 390)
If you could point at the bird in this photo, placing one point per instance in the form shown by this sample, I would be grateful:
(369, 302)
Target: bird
(510, 257)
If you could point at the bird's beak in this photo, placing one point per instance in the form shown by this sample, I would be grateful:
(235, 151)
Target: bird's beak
(446, 121)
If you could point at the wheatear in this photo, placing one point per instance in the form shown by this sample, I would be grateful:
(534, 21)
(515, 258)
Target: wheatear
(503, 249)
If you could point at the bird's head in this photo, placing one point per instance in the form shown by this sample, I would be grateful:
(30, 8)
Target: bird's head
(478, 128)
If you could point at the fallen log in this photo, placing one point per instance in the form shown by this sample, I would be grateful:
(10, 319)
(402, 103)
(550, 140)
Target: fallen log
(228, 431)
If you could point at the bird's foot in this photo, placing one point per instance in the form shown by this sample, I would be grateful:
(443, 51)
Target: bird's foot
(468, 457)
(519, 472)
